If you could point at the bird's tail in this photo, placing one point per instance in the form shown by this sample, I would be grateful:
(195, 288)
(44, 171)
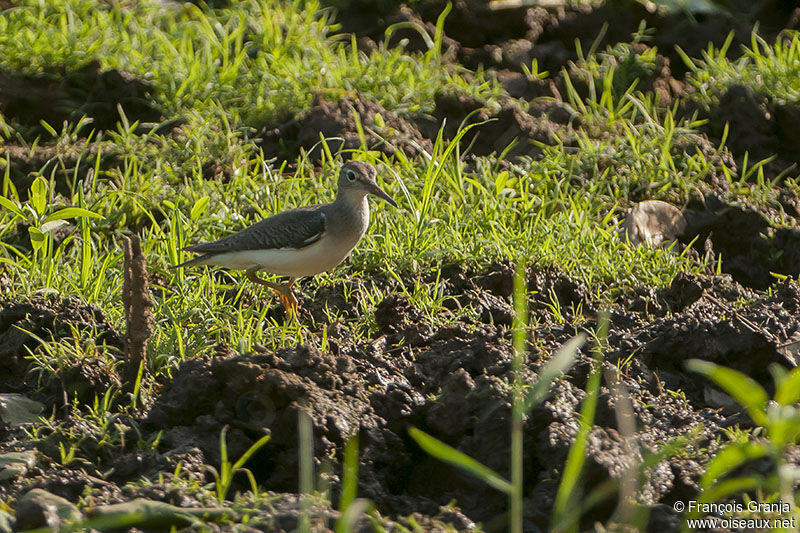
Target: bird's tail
(201, 260)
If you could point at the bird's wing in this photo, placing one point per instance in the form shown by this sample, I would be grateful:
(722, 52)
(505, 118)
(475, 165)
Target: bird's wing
(296, 228)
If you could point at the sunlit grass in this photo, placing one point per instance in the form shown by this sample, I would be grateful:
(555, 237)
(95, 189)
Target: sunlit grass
(559, 210)
(219, 77)
(770, 69)
(536, 211)
(223, 75)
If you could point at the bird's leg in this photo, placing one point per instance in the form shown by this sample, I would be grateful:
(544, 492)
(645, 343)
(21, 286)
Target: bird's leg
(284, 291)
(251, 275)
(287, 297)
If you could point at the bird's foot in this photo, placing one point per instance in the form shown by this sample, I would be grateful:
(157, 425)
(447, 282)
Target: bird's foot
(284, 291)
(288, 299)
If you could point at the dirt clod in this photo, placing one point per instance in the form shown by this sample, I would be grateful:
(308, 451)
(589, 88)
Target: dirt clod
(60, 95)
(38, 508)
(450, 381)
(48, 318)
(510, 131)
(342, 124)
(751, 247)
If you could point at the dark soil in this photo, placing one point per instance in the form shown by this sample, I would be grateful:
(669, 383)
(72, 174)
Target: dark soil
(60, 95)
(67, 164)
(382, 130)
(750, 246)
(450, 381)
(23, 324)
(759, 127)
(448, 378)
(494, 132)
(506, 40)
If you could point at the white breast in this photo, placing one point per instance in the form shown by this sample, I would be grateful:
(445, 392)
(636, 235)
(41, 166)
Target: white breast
(321, 256)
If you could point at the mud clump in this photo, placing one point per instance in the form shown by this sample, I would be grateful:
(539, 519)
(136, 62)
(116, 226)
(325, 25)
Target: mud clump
(617, 21)
(511, 130)
(50, 318)
(342, 124)
(331, 298)
(387, 132)
(255, 394)
(450, 381)
(364, 390)
(757, 125)
(707, 322)
(66, 163)
(750, 120)
(552, 287)
(60, 95)
(750, 246)
(707, 316)
(508, 38)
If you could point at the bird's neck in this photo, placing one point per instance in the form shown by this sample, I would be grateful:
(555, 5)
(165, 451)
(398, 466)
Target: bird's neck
(352, 202)
(353, 211)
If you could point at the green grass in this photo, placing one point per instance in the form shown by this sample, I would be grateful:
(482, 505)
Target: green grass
(222, 74)
(778, 422)
(219, 77)
(558, 210)
(769, 69)
(532, 212)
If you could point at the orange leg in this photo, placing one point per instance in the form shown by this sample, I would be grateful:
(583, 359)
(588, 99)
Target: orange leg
(284, 291)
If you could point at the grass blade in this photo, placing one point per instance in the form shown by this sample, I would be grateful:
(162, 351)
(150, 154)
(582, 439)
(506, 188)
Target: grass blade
(730, 458)
(349, 474)
(305, 434)
(788, 390)
(745, 390)
(555, 367)
(71, 212)
(450, 455)
(567, 495)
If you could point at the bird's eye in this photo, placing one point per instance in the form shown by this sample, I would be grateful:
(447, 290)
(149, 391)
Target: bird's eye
(351, 176)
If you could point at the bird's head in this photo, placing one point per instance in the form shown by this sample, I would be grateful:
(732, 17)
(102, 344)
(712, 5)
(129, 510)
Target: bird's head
(357, 178)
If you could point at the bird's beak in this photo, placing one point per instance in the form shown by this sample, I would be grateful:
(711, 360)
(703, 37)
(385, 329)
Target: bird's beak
(377, 191)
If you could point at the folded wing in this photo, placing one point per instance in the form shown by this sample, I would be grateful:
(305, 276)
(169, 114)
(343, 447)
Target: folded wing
(296, 228)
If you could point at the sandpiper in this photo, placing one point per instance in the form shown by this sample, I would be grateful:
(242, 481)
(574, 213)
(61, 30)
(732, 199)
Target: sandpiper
(299, 242)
